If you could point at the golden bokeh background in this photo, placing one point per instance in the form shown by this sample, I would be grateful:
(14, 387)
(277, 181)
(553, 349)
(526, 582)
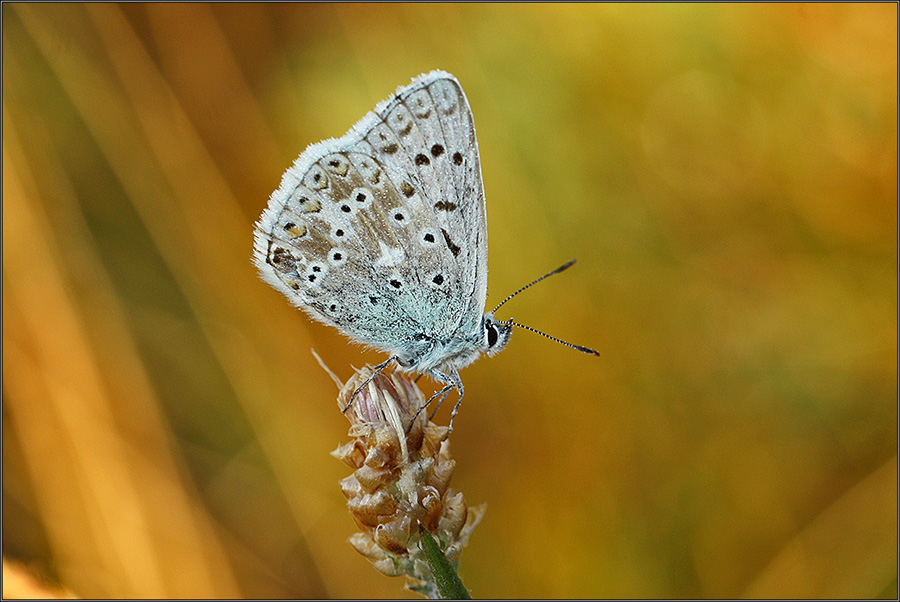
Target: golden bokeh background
(725, 174)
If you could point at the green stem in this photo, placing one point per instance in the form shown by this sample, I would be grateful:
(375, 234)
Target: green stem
(445, 577)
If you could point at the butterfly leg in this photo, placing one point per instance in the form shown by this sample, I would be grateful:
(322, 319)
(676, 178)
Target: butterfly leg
(442, 394)
(459, 387)
(453, 382)
(378, 370)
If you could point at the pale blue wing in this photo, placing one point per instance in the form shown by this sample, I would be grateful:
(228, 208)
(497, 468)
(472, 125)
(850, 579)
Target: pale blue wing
(381, 233)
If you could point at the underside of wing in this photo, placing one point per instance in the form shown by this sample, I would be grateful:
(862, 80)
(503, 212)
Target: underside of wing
(381, 233)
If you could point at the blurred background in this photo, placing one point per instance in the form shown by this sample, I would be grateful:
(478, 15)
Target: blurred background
(726, 176)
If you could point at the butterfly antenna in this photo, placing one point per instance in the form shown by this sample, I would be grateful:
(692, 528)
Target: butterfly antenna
(587, 350)
(556, 271)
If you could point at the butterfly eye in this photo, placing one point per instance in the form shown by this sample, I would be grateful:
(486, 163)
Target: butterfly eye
(492, 335)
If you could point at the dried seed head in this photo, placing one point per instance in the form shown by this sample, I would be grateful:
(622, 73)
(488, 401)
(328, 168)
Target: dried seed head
(402, 469)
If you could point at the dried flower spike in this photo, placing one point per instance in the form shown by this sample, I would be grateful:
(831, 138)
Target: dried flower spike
(400, 480)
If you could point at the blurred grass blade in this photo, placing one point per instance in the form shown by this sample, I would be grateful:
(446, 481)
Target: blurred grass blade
(848, 551)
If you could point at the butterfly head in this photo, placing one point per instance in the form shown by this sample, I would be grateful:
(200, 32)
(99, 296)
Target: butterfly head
(423, 353)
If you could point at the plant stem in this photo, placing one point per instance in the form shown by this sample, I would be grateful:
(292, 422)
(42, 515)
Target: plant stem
(445, 576)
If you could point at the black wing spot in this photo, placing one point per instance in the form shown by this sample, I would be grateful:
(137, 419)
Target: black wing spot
(439, 279)
(307, 206)
(429, 237)
(281, 259)
(279, 256)
(422, 160)
(437, 150)
(338, 232)
(445, 206)
(395, 283)
(450, 244)
(457, 159)
(345, 208)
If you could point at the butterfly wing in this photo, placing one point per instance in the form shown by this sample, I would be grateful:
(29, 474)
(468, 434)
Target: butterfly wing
(381, 233)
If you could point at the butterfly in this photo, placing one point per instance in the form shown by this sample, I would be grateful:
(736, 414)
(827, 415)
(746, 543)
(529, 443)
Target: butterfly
(382, 234)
